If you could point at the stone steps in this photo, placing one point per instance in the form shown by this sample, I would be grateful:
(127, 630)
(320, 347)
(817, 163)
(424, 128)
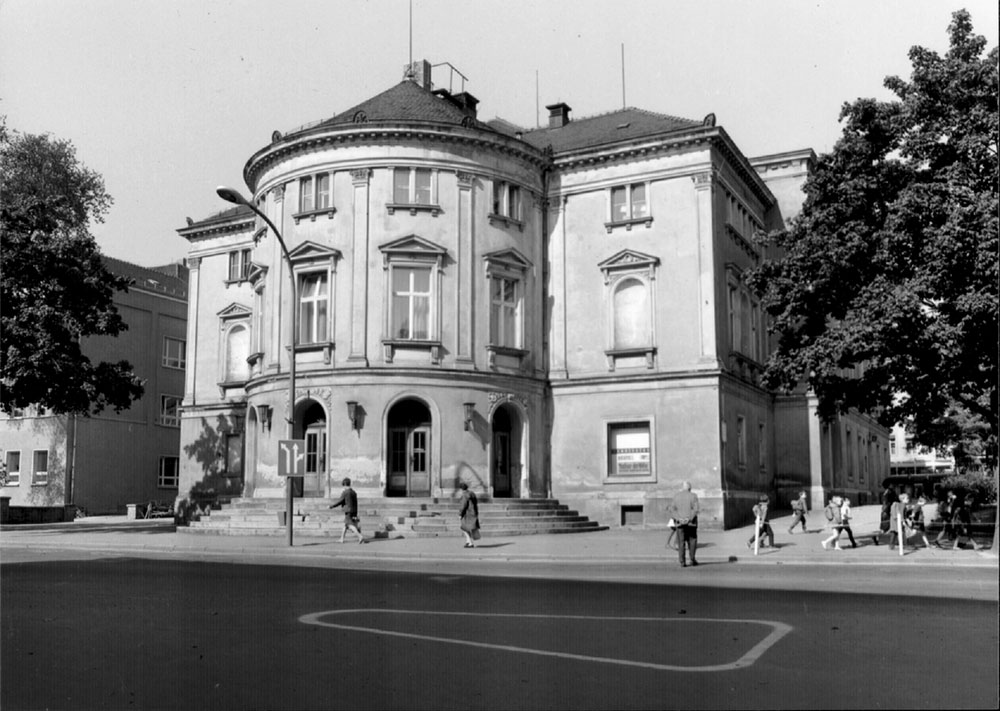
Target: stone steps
(393, 518)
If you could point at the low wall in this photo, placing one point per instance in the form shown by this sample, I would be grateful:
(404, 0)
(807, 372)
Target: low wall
(39, 514)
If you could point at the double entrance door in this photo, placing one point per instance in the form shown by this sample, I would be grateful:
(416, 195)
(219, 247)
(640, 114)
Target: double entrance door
(409, 461)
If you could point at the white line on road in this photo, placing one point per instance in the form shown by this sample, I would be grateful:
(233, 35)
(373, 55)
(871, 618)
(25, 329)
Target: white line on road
(778, 630)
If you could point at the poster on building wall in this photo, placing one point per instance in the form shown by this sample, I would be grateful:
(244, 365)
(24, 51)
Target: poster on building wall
(633, 462)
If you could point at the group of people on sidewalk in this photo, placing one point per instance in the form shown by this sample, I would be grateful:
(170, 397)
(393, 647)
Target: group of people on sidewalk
(468, 512)
(900, 517)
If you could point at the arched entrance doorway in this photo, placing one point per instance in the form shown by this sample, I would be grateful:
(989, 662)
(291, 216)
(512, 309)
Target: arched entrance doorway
(505, 457)
(312, 428)
(408, 449)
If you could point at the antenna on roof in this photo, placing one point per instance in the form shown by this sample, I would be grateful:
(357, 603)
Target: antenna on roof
(409, 67)
(623, 75)
(538, 121)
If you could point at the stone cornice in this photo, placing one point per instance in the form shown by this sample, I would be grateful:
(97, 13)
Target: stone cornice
(376, 133)
(211, 229)
(701, 136)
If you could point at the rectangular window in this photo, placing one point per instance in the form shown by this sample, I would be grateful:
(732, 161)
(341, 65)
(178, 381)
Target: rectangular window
(13, 464)
(411, 303)
(850, 455)
(234, 455)
(741, 441)
(629, 449)
(174, 353)
(239, 265)
(401, 185)
(324, 195)
(505, 312)
(421, 186)
(506, 200)
(762, 446)
(629, 202)
(306, 198)
(314, 305)
(169, 477)
(40, 471)
(412, 186)
(315, 451)
(170, 410)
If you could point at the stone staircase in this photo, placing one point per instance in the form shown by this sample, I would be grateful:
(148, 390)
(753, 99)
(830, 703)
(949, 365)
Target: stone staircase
(391, 518)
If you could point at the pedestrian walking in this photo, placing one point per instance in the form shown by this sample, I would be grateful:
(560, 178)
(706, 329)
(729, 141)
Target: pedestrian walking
(898, 520)
(962, 522)
(833, 522)
(845, 520)
(349, 500)
(761, 525)
(889, 497)
(672, 525)
(798, 513)
(946, 509)
(684, 510)
(916, 518)
(468, 511)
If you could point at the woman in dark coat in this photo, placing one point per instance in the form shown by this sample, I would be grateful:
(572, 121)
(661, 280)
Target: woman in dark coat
(468, 511)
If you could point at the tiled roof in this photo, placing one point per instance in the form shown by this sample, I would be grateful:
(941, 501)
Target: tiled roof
(231, 213)
(622, 125)
(406, 101)
(147, 278)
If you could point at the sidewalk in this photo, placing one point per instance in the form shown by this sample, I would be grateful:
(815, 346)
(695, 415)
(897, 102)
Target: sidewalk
(619, 545)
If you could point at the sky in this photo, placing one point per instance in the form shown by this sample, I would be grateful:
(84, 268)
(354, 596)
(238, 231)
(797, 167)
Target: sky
(168, 99)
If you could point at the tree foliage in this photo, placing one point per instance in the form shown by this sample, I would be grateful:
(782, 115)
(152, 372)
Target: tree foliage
(54, 288)
(883, 295)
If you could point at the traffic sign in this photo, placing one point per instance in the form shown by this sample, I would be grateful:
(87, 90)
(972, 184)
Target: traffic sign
(291, 457)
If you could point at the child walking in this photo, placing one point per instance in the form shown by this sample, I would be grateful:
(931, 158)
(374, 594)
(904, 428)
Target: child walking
(760, 516)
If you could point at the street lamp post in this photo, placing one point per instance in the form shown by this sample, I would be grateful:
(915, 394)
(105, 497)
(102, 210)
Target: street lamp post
(233, 196)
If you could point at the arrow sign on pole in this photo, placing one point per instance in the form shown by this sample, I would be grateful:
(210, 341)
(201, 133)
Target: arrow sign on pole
(291, 457)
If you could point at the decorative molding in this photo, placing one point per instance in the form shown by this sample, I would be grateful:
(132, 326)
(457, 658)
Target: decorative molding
(629, 261)
(627, 224)
(278, 192)
(465, 180)
(361, 176)
(498, 398)
(704, 179)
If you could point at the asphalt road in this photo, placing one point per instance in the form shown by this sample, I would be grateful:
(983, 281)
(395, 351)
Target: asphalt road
(127, 633)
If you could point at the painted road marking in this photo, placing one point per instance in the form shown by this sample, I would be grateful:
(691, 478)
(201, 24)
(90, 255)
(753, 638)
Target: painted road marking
(778, 630)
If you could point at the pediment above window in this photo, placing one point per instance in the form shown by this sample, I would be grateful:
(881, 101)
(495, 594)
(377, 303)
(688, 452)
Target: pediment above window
(313, 252)
(412, 247)
(629, 260)
(256, 273)
(234, 312)
(509, 259)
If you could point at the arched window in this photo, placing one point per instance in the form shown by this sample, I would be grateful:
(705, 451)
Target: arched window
(237, 352)
(629, 278)
(631, 314)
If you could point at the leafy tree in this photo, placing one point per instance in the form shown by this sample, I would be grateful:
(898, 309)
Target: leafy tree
(54, 288)
(883, 293)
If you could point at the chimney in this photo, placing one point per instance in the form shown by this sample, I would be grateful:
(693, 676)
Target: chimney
(467, 102)
(558, 115)
(419, 73)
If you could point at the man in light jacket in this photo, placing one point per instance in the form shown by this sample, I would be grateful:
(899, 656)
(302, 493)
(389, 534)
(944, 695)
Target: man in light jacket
(684, 510)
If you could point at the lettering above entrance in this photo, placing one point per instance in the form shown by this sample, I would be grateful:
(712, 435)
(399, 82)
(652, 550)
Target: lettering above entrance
(497, 398)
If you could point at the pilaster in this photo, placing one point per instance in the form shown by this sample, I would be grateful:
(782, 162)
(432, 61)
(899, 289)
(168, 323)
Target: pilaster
(704, 189)
(465, 298)
(361, 182)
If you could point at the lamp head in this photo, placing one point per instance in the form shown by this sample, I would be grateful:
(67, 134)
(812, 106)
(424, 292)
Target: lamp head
(230, 195)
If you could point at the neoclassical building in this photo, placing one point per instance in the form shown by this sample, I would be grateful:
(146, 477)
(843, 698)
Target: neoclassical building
(550, 312)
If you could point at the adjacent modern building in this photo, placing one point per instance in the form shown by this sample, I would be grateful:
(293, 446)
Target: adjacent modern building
(104, 462)
(539, 312)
